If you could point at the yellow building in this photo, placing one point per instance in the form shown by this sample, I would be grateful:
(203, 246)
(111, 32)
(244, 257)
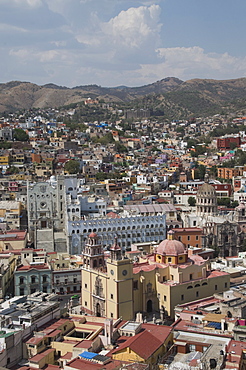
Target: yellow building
(10, 211)
(121, 288)
(8, 262)
(4, 159)
(106, 291)
(13, 240)
(147, 346)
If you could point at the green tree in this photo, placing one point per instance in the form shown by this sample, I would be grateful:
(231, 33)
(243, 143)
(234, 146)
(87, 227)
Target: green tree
(120, 148)
(192, 201)
(20, 135)
(102, 176)
(224, 202)
(200, 172)
(12, 170)
(234, 204)
(72, 166)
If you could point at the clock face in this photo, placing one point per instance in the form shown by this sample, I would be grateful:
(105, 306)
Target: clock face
(112, 272)
(124, 272)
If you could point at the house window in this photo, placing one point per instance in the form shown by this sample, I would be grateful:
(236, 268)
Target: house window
(191, 276)
(192, 347)
(188, 237)
(85, 286)
(216, 287)
(75, 280)
(197, 237)
(135, 284)
(182, 297)
(112, 315)
(33, 279)
(21, 280)
(85, 303)
(165, 298)
(197, 294)
(225, 285)
(112, 296)
(44, 279)
(22, 291)
(169, 259)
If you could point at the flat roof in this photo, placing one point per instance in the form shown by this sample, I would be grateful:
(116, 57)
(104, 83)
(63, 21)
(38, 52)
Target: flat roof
(131, 326)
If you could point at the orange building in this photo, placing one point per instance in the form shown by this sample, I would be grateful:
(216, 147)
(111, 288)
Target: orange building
(227, 173)
(191, 236)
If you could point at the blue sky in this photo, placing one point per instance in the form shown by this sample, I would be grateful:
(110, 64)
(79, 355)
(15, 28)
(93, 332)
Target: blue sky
(121, 42)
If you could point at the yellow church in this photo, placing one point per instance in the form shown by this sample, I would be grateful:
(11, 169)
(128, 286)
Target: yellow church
(117, 286)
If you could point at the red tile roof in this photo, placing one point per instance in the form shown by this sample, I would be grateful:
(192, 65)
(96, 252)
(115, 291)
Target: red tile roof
(83, 364)
(138, 342)
(41, 355)
(31, 267)
(147, 267)
(35, 340)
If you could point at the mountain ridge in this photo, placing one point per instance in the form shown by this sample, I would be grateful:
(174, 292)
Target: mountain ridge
(195, 95)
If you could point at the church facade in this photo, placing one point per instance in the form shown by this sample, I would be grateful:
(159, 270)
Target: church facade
(118, 287)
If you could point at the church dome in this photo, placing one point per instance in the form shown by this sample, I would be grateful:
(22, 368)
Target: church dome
(206, 200)
(206, 190)
(170, 247)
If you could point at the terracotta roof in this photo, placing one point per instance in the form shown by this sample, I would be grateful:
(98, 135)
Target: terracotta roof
(67, 356)
(54, 333)
(83, 364)
(170, 247)
(147, 267)
(35, 340)
(84, 344)
(138, 342)
(36, 267)
(112, 215)
(41, 355)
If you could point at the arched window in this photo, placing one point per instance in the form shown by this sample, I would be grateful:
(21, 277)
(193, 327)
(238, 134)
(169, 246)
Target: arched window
(189, 287)
(33, 279)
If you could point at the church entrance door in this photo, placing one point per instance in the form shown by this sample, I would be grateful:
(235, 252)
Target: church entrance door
(98, 310)
(149, 306)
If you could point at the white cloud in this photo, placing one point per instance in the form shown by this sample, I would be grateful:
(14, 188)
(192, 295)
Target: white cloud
(23, 3)
(133, 26)
(193, 62)
(72, 42)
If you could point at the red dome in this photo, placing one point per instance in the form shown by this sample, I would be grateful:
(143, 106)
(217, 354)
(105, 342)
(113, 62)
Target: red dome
(170, 247)
(93, 235)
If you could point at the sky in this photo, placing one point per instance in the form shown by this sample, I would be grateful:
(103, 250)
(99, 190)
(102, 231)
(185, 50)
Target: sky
(121, 42)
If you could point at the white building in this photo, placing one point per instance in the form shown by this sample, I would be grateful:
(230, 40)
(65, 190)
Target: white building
(132, 229)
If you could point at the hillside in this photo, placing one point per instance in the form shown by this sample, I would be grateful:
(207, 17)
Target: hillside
(197, 96)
